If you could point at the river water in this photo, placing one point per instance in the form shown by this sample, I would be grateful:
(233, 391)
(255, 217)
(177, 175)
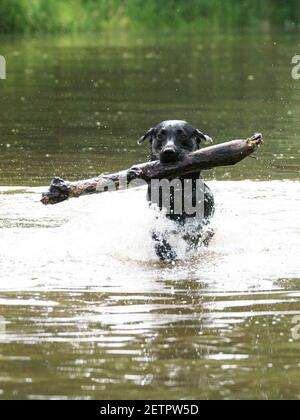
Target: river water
(86, 310)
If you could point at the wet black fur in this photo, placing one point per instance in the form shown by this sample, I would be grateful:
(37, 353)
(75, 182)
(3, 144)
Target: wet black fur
(170, 142)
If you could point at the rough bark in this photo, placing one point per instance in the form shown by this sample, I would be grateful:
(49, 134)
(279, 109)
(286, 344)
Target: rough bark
(224, 154)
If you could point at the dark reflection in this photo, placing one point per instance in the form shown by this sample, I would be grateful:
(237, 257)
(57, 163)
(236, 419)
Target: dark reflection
(129, 329)
(161, 345)
(75, 107)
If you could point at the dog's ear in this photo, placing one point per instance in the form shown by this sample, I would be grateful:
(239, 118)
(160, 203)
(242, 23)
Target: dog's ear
(145, 136)
(202, 138)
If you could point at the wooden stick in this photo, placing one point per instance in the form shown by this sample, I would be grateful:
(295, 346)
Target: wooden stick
(224, 154)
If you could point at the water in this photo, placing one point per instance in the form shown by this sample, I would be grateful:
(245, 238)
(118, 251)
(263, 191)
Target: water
(88, 311)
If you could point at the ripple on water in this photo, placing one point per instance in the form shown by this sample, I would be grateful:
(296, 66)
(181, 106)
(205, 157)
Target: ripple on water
(82, 289)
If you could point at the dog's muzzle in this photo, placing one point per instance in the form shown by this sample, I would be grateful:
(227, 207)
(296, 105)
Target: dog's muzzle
(169, 155)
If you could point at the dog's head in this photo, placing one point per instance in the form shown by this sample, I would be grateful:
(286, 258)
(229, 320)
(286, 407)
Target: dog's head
(171, 141)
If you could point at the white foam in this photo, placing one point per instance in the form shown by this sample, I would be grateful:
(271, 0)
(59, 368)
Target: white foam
(106, 240)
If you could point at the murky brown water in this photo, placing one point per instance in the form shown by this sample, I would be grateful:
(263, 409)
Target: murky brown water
(86, 311)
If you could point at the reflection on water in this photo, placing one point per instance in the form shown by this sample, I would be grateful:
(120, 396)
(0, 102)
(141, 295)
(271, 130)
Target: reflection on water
(90, 312)
(86, 310)
(76, 107)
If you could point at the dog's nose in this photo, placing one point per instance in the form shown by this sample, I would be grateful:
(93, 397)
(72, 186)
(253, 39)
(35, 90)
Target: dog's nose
(169, 155)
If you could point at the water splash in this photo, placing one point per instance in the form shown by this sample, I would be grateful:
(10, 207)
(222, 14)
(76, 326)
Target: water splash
(106, 240)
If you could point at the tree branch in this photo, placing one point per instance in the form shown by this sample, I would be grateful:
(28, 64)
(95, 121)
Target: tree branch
(224, 154)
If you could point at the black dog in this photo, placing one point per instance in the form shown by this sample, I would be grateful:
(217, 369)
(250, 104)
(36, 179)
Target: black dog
(170, 142)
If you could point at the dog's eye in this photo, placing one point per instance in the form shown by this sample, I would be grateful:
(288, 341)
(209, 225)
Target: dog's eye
(183, 136)
(161, 135)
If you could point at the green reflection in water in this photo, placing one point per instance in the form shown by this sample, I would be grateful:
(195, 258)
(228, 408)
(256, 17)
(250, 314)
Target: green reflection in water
(75, 106)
